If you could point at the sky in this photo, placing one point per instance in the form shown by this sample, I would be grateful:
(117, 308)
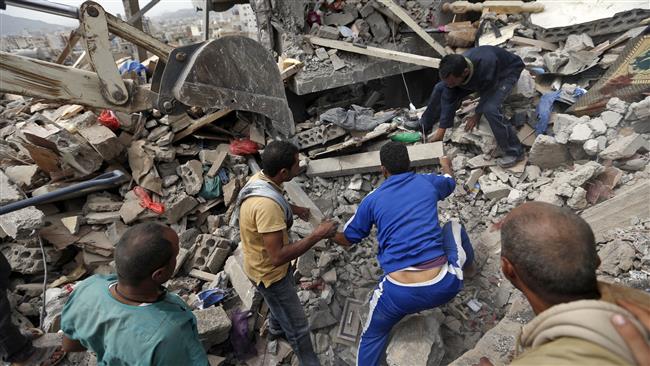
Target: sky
(111, 6)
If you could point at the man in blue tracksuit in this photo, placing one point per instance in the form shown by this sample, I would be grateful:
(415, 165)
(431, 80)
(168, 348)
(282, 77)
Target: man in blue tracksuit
(423, 264)
(492, 72)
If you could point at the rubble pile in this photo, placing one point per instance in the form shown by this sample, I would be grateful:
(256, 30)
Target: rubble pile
(188, 177)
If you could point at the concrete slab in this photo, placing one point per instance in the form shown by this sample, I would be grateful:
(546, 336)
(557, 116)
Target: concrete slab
(424, 154)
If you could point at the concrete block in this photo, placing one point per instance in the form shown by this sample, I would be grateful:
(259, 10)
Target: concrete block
(416, 341)
(328, 32)
(130, 210)
(598, 126)
(617, 105)
(549, 195)
(213, 325)
(581, 133)
(591, 147)
(22, 259)
(102, 217)
(474, 175)
(322, 54)
(8, 192)
(103, 140)
(493, 190)
(178, 206)
(378, 27)
(525, 87)
(318, 135)
(72, 223)
(157, 133)
(339, 19)
(192, 175)
(250, 297)
(337, 63)
(563, 126)
(24, 176)
(22, 223)
(624, 147)
(367, 9)
(578, 199)
(180, 259)
(210, 253)
(639, 111)
(547, 153)
(102, 202)
(611, 118)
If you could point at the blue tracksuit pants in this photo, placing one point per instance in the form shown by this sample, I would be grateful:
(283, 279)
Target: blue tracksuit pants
(392, 300)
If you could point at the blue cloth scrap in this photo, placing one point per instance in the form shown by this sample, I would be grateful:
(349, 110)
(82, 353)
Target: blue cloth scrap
(544, 109)
(132, 65)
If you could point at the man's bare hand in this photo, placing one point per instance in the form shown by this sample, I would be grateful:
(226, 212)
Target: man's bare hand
(445, 162)
(326, 229)
(438, 135)
(472, 121)
(632, 337)
(446, 166)
(302, 212)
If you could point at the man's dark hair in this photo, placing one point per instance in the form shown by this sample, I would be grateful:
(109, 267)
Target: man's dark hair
(141, 251)
(452, 65)
(553, 251)
(395, 157)
(278, 155)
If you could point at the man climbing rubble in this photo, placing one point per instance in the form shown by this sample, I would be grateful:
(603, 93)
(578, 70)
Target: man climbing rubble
(490, 71)
(549, 254)
(423, 263)
(264, 219)
(130, 319)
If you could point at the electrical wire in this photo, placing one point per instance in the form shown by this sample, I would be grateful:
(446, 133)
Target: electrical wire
(43, 311)
(408, 94)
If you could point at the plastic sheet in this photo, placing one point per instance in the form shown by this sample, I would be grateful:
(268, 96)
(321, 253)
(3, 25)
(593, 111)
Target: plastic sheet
(243, 147)
(109, 119)
(147, 202)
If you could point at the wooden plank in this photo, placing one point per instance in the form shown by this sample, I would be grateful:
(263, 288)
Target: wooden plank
(205, 120)
(496, 6)
(397, 10)
(424, 154)
(74, 37)
(202, 275)
(290, 71)
(357, 142)
(534, 42)
(377, 52)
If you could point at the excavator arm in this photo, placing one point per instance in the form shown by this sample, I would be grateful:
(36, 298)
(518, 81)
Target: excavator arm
(235, 73)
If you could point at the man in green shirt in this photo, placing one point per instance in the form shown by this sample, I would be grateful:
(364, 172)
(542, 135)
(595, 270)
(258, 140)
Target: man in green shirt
(130, 319)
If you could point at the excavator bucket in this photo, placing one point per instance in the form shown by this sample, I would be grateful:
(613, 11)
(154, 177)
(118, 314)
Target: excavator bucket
(234, 72)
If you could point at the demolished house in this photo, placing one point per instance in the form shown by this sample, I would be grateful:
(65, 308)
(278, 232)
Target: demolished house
(85, 154)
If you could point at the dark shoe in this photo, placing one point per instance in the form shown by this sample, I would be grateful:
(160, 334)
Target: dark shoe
(509, 161)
